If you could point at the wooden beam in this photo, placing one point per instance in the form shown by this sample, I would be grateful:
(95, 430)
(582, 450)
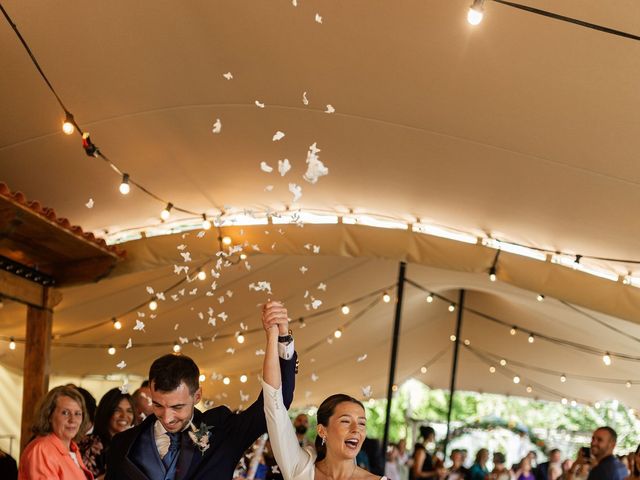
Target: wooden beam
(36, 363)
(25, 291)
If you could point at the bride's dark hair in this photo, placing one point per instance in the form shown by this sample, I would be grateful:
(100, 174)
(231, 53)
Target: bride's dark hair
(325, 411)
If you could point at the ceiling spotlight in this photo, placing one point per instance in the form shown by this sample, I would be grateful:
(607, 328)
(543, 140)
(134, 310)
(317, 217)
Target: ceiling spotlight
(573, 403)
(394, 387)
(240, 338)
(12, 344)
(68, 126)
(529, 389)
(596, 405)
(166, 213)
(176, 347)
(503, 362)
(243, 378)
(202, 377)
(206, 224)
(202, 275)
(423, 369)
(111, 350)
(116, 323)
(153, 305)
(563, 378)
(540, 297)
(452, 338)
(606, 358)
(467, 342)
(337, 333)
(492, 369)
(476, 12)
(430, 298)
(628, 384)
(516, 379)
(124, 187)
(345, 309)
(513, 330)
(226, 380)
(226, 240)
(564, 401)
(386, 298)
(452, 308)
(531, 338)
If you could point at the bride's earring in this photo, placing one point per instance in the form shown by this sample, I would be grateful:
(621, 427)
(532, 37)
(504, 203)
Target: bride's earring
(324, 440)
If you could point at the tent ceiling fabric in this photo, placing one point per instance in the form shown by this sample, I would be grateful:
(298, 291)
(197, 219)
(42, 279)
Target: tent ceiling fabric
(522, 127)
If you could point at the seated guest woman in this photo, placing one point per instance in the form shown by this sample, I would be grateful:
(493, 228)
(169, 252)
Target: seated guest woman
(115, 414)
(341, 422)
(60, 420)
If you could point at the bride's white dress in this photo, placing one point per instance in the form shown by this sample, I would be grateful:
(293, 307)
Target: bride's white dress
(295, 462)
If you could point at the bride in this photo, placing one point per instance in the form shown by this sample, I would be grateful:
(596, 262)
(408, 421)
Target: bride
(341, 423)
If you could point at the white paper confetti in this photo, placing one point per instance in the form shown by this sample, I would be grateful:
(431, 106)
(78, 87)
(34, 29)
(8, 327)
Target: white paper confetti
(129, 344)
(223, 316)
(217, 126)
(231, 350)
(176, 326)
(322, 286)
(186, 256)
(296, 190)
(366, 391)
(259, 104)
(362, 358)
(303, 269)
(278, 136)
(212, 321)
(182, 247)
(259, 352)
(314, 377)
(318, 18)
(229, 293)
(139, 325)
(183, 340)
(124, 388)
(305, 100)
(265, 167)
(330, 109)
(121, 365)
(316, 304)
(178, 269)
(315, 167)
(284, 166)
(228, 75)
(160, 296)
(89, 204)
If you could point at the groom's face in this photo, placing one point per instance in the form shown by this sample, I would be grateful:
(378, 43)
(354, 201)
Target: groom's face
(174, 409)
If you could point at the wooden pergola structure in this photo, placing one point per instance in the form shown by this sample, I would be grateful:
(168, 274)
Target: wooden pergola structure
(39, 253)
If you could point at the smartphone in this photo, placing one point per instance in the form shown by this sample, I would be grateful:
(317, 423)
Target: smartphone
(585, 452)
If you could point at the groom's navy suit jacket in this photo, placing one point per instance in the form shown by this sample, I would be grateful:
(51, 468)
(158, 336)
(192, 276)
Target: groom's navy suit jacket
(133, 454)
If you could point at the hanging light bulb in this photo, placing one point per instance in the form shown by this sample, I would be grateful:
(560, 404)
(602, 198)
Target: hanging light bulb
(12, 344)
(68, 126)
(423, 369)
(111, 350)
(153, 305)
(564, 401)
(386, 298)
(596, 405)
(516, 379)
(492, 274)
(628, 384)
(452, 338)
(166, 213)
(202, 377)
(540, 297)
(337, 333)
(226, 240)
(240, 338)
(563, 378)
(243, 378)
(124, 185)
(452, 308)
(492, 369)
(529, 389)
(476, 12)
(513, 330)
(606, 358)
(202, 275)
(503, 362)
(573, 403)
(176, 347)
(430, 298)
(116, 323)
(531, 338)
(226, 380)
(345, 309)
(206, 224)
(243, 256)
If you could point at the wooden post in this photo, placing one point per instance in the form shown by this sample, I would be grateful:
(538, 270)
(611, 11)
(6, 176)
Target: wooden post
(36, 362)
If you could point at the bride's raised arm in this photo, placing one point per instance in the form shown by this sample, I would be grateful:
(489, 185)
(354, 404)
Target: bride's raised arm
(273, 314)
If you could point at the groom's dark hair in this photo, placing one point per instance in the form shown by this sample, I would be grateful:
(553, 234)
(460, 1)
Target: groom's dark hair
(169, 371)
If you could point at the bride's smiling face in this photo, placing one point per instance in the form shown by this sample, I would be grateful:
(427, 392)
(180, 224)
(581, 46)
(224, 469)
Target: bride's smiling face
(346, 431)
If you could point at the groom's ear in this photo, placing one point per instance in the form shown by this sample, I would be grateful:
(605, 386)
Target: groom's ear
(197, 396)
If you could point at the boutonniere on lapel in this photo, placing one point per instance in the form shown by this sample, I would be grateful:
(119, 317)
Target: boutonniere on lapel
(200, 436)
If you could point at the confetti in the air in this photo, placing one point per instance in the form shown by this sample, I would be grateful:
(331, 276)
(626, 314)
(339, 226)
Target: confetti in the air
(212, 321)
(221, 299)
(278, 136)
(231, 350)
(183, 340)
(305, 100)
(318, 18)
(182, 247)
(89, 204)
(139, 325)
(303, 269)
(315, 167)
(176, 326)
(186, 256)
(275, 469)
(243, 397)
(296, 190)
(362, 358)
(330, 109)
(160, 296)
(229, 293)
(261, 286)
(366, 391)
(322, 286)
(265, 167)
(124, 388)
(259, 352)
(259, 104)
(121, 365)
(316, 304)
(284, 166)
(129, 344)
(217, 126)
(150, 290)
(268, 188)
(228, 76)
(223, 316)
(314, 377)
(178, 269)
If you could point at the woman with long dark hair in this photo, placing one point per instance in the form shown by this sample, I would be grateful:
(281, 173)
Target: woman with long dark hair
(115, 414)
(341, 423)
(634, 465)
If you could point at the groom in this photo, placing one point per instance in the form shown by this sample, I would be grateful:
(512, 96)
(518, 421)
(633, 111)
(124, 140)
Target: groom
(178, 442)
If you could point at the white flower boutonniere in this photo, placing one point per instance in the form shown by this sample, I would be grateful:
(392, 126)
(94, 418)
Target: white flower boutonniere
(200, 436)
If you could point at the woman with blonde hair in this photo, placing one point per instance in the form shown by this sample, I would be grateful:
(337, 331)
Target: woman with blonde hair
(60, 421)
(341, 423)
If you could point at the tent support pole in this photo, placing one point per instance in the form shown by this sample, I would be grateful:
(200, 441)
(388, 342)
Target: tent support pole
(454, 369)
(394, 355)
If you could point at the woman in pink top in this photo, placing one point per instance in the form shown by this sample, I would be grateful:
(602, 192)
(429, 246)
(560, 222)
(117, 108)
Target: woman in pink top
(61, 419)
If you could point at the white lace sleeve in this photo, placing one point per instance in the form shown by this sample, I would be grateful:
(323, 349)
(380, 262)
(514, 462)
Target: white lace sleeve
(292, 459)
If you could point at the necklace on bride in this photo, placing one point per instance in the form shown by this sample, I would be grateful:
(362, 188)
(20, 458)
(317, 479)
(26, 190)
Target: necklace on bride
(355, 467)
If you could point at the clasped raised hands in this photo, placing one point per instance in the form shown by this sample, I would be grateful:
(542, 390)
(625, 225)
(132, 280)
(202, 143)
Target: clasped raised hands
(275, 318)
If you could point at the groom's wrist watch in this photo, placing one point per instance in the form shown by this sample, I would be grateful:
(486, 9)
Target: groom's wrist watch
(286, 339)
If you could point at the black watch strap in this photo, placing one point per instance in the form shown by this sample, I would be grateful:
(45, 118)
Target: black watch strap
(285, 338)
